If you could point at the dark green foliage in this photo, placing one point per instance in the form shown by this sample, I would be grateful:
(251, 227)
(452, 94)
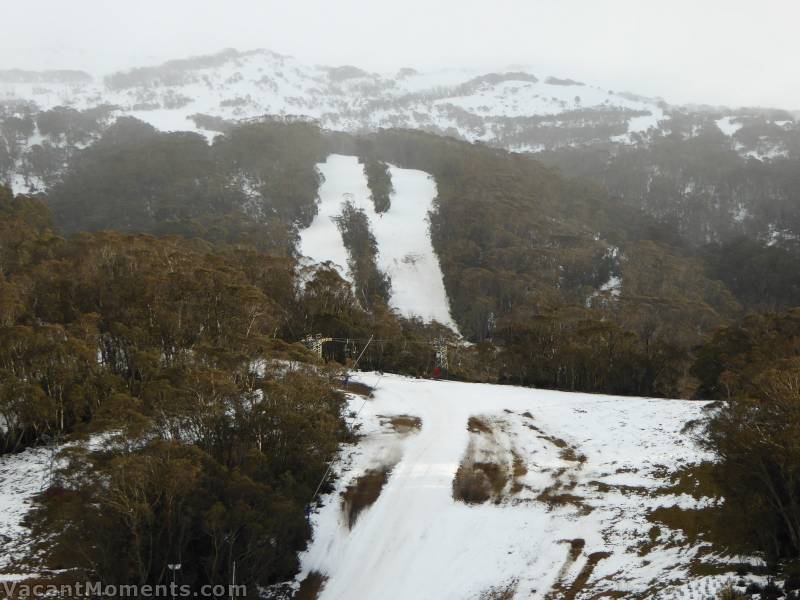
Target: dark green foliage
(372, 285)
(15, 130)
(380, 184)
(63, 123)
(235, 493)
(729, 363)
(762, 277)
(523, 268)
(211, 123)
(490, 79)
(50, 76)
(277, 160)
(516, 241)
(692, 178)
(343, 73)
(259, 181)
(754, 366)
(135, 178)
(46, 161)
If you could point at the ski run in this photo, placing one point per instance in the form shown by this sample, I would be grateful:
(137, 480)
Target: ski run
(575, 474)
(405, 252)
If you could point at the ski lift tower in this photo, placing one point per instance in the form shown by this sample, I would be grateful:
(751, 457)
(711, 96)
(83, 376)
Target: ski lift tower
(314, 343)
(440, 349)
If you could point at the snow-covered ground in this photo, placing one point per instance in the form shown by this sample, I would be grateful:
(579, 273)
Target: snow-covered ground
(22, 476)
(583, 472)
(405, 252)
(728, 125)
(322, 241)
(251, 84)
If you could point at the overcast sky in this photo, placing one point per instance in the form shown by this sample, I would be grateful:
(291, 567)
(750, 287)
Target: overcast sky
(714, 51)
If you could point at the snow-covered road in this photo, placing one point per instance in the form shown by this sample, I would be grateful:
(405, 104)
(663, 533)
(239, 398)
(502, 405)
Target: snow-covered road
(585, 473)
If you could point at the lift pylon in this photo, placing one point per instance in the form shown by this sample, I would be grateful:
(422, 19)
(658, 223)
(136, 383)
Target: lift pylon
(314, 343)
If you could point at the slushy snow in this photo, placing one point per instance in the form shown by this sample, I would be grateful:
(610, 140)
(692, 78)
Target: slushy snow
(417, 542)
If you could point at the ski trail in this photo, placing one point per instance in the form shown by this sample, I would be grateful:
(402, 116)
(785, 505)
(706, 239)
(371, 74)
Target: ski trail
(406, 253)
(416, 541)
(402, 235)
(322, 241)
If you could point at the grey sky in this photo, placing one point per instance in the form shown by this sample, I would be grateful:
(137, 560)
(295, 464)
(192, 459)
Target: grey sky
(715, 51)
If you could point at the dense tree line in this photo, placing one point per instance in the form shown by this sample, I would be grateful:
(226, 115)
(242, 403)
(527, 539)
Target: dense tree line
(137, 179)
(371, 284)
(712, 196)
(754, 366)
(518, 243)
(209, 426)
(380, 184)
(61, 132)
(576, 290)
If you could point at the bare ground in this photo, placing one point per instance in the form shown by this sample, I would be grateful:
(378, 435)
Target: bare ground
(310, 587)
(363, 492)
(402, 424)
(485, 470)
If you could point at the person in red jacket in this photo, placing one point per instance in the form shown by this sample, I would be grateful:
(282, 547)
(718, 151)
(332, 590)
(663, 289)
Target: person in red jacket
(437, 373)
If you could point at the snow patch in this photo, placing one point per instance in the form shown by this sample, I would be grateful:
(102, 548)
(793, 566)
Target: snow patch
(729, 125)
(22, 476)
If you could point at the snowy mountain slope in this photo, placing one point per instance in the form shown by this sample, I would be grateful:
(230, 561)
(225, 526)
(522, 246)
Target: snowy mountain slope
(405, 252)
(583, 472)
(513, 108)
(238, 85)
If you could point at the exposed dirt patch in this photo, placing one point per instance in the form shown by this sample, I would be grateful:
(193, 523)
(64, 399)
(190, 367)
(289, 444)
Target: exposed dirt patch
(311, 586)
(653, 534)
(478, 425)
(486, 469)
(610, 594)
(605, 488)
(402, 424)
(358, 388)
(575, 548)
(501, 592)
(568, 452)
(695, 480)
(479, 482)
(518, 470)
(583, 577)
(363, 493)
(571, 454)
(579, 585)
(564, 479)
(707, 523)
(555, 498)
